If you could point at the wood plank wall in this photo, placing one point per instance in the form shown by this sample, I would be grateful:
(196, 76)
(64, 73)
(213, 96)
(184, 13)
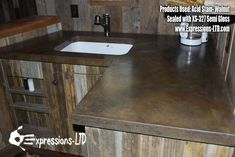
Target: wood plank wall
(225, 52)
(16, 9)
(2, 144)
(231, 73)
(142, 16)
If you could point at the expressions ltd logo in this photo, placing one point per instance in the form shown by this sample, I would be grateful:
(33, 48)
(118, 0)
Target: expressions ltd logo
(30, 139)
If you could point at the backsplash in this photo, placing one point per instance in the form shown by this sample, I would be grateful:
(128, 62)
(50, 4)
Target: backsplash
(142, 16)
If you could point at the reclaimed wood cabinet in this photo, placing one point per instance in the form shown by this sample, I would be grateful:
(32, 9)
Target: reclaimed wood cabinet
(58, 90)
(102, 142)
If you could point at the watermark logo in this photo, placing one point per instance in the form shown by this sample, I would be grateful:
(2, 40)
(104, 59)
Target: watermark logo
(30, 139)
(17, 139)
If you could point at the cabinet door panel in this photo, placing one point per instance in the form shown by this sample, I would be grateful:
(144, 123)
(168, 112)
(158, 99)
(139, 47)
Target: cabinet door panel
(25, 69)
(83, 83)
(32, 118)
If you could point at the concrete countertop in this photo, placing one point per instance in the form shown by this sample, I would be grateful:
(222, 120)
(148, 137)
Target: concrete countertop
(160, 88)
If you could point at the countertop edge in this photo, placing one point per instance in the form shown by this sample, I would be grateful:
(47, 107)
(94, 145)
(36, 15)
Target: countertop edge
(172, 132)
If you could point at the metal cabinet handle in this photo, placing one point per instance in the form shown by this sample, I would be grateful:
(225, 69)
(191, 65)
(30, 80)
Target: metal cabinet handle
(55, 82)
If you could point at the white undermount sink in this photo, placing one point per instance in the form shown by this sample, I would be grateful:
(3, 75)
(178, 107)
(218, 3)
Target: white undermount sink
(97, 48)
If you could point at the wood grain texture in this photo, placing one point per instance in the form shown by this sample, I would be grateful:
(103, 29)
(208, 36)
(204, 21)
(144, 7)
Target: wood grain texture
(226, 52)
(102, 143)
(55, 103)
(222, 3)
(32, 118)
(184, 2)
(2, 143)
(84, 78)
(40, 108)
(70, 100)
(163, 26)
(27, 24)
(133, 16)
(220, 46)
(6, 114)
(50, 105)
(231, 75)
(35, 152)
(229, 49)
(111, 2)
(14, 34)
(26, 69)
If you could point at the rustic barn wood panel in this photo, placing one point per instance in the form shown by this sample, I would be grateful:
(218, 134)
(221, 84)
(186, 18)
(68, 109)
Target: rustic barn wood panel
(58, 89)
(231, 74)
(111, 2)
(225, 51)
(2, 143)
(57, 111)
(6, 114)
(93, 70)
(5, 10)
(45, 7)
(19, 37)
(184, 2)
(84, 78)
(32, 118)
(224, 2)
(25, 69)
(220, 46)
(140, 16)
(83, 84)
(70, 96)
(102, 143)
(228, 51)
(19, 82)
(163, 26)
(19, 98)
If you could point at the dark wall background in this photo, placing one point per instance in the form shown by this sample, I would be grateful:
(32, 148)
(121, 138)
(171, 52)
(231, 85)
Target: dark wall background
(16, 9)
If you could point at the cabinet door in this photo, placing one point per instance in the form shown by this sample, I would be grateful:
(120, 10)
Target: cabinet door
(28, 107)
(32, 109)
(78, 80)
(58, 89)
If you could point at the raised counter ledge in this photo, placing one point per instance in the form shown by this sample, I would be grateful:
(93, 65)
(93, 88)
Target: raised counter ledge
(27, 24)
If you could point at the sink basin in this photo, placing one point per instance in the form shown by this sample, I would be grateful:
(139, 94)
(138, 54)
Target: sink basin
(97, 48)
